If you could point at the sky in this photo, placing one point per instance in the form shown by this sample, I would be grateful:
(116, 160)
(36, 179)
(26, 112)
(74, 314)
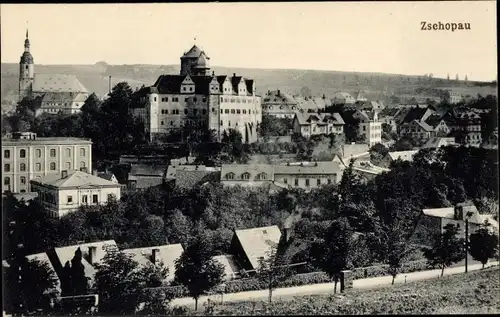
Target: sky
(350, 36)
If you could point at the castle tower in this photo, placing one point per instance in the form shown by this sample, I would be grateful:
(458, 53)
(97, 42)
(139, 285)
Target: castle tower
(195, 62)
(26, 71)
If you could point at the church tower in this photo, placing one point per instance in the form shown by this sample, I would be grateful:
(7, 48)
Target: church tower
(26, 71)
(195, 62)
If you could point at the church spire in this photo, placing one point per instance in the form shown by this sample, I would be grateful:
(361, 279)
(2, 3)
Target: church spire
(27, 42)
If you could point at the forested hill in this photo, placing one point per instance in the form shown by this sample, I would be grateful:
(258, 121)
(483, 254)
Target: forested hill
(306, 82)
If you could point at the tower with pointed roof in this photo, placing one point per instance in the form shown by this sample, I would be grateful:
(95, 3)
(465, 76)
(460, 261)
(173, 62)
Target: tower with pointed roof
(26, 71)
(195, 62)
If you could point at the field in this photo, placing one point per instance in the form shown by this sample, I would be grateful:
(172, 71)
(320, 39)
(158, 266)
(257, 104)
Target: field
(472, 293)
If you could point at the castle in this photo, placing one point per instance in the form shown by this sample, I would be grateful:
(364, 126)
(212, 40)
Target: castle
(55, 92)
(196, 98)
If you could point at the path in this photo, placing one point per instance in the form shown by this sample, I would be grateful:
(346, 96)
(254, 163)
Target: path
(327, 288)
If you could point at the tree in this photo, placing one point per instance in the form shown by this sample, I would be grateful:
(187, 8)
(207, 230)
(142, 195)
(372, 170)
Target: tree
(197, 270)
(119, 280)
(331, 253)
(31, 284)
(233, 145)
(483, 244)
(74, 281)
(273, 268)
(446, 250)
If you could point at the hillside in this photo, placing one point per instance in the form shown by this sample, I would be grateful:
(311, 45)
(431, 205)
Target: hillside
(376, 85)
(472, 293)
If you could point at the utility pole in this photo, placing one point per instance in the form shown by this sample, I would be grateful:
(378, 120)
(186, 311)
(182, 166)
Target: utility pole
(466, 243)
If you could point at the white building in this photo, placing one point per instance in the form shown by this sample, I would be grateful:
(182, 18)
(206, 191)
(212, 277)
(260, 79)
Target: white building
(308, 124)
(66, 192)
(369, 126)
(26, 156)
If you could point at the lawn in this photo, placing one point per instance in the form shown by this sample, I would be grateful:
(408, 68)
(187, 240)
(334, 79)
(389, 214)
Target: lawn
(472, 293)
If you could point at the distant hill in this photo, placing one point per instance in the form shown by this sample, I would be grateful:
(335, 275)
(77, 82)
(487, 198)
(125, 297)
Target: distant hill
(375, 85)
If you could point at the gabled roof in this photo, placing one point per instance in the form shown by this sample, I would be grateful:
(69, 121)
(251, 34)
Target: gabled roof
(437, 142)
(424, 126)
(388, 112)
(415, 113)
(57, 83)
(327, 167)
(74, 179)
(231, 269)
(106, 176)
(434, 120)
(322, 118)
(147, 170)
(65, 254)
(168, 254)
(257, 242)
(194, 51)
(283, 98)
(63, 97)
(403, 155)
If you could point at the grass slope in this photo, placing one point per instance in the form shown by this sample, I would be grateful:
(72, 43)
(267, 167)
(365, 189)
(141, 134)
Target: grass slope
(472, 293)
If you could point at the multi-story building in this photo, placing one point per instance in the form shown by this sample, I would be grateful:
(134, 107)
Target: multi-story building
(465, 126)
(26, 157)
(308, 124)
(283, 105)
(196, 99)
(63, 193)
(369, 126)
(56, 93)
(343, 98)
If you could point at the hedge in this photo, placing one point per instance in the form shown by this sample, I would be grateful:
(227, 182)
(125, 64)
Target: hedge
(253, 284)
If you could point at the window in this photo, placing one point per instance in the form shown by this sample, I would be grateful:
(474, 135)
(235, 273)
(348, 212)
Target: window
(285, 181)
(204, 111)
(95, 199)
(171, 123)
(213, 110)
(232, 111)
(262, 176)
(244, 111)
(364, 128)
(296, 182)
(230, 176)
(238, 111)
(183, 88)
(186, 99)
(38, 153)
(68, 165)
(82, 152)
(6, 154)
(307, 182)
(38, 167)
(245, 176)
(329, 181)
(318, 182)
(166, 98)
(111, 197)
(23, 180)
(229, 123)
(154, 99)
(6, 167)
(22, 167)
(52, 166)
(70, 199)
(6, 181)
(204, 99)
(161, 122)
(221, 123)
(185, 111)
(226, 111)
(68, 152)
(82, 164)
(84, 199)
(22, 153)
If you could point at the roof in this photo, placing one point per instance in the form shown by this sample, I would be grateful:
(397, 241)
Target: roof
(253, 169)
(434, 120)
(168, 254)
(188, 178)
(278, 97)
(26, 196)
(415, 113)
(62, 97)
(65, 254)
(388, 112)
(257, 242)
(44, 258)
(438, 142)
(194, 51)
(147, 170)
(328, 167)
(343, 95)
(231, 269)
(403, 155)
(74, 179)
(46, 141)
(171, 84)
(321, 118)
(57, 83)
(424, 126)
(106, 176)
(143, 182)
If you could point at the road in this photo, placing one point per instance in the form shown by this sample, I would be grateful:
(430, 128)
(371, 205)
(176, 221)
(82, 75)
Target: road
(327, 288)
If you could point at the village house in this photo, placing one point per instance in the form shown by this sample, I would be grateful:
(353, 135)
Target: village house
(167, 254)
(144, 176)
(343, 98)
(388, 116)
(308, 124)
(189, 176)
(66, 192)
(433, 220)
(369, 126)
(280, 105)
(465, 126)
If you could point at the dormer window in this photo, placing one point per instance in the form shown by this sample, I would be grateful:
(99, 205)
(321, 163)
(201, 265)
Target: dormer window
(245, 176)
(262, 176)
(230, 176)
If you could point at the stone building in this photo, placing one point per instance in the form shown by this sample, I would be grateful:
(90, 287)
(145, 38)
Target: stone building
(56, 93)
(197, 99)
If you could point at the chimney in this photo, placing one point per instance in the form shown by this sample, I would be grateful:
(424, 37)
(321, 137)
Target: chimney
(234, 74)
(279, 92)
(92, 254)
(64, 174)
(324, 97)
(459, 213)
(213, 73)
(287, 232)
(156, 255)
